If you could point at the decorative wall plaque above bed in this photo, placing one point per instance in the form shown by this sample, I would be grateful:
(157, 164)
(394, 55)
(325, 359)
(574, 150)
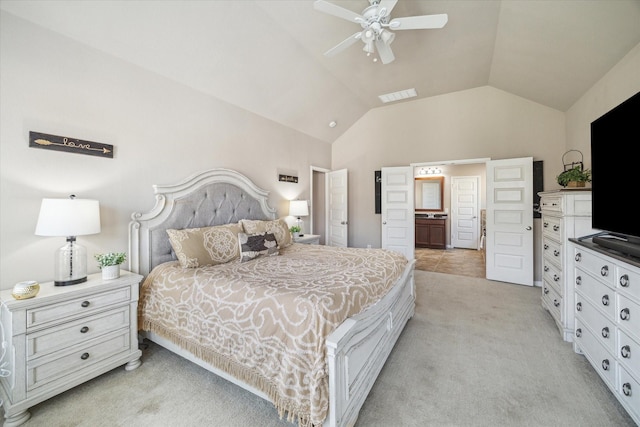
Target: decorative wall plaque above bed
(69, 145)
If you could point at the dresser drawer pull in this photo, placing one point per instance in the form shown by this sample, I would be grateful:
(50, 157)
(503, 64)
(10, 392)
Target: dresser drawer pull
(556, 277)
(605, 364)
(84, 356)
(624, 281)
(579, 306)
(604, 271)
(84, 330)
(546, 246)
(605, 299)
(625, 352)
(556, 252)
(546, 290)
(556, 303)
(578, 332)
(85, 304)
(578, 257)
(556, 228)
(546, 225)
(579, 280)
(546, 268)
(624, 314)
(626, 389)
(605, 332)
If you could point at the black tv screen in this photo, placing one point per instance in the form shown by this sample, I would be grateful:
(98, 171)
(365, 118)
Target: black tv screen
(615, 186)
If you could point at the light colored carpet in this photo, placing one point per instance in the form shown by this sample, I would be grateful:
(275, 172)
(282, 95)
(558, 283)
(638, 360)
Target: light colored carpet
(476, 353)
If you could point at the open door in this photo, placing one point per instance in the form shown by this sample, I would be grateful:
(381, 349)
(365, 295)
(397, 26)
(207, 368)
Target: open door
(465, 212)
(398, 217)
(509, 255)
(337, 206)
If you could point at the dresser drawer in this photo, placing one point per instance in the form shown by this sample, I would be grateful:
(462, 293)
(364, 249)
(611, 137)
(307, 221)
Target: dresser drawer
(68, 334)
(552, 251)
(628, 316)
(52, 369)
(629, 353)
(553, 275)
(552, 227)
(553, 302)
(629, 392)
(599, 267)
(78, 307)
(629, 282)
(551, 204)
(602, 328)
(603, 362)
(600, 295)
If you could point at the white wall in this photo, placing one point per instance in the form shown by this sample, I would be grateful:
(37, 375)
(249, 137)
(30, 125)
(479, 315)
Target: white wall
(162, 132)
(477, 123)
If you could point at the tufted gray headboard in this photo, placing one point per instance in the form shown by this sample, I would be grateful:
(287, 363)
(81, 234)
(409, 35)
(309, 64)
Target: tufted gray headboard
(214, 197)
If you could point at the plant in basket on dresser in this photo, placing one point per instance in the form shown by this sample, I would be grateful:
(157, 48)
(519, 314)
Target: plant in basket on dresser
(575, 177)
(110, 264)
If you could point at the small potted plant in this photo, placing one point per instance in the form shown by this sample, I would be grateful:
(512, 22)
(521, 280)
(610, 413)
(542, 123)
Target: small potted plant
(575, 177)
(295, 230)
(110, 264)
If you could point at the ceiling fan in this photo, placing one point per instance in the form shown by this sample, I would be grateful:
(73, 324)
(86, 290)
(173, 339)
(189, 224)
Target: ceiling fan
(376, 24)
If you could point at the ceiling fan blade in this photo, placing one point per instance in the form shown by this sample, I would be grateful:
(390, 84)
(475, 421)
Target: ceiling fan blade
(340, 12)
(384, 52)
(344, 44)
(419, 22)
(388, 5)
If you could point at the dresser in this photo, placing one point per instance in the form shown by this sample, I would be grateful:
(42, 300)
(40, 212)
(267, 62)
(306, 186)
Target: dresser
(565, 214)
(607, 318)
(431, 233)
(64, 336)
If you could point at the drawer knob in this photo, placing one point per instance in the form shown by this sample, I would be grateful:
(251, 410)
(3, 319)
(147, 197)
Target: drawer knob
(605, 300)
(84, 330)
(624, 314)
(578, 332)
(545, 225)
(546, 246)
(605, 332)
(85, 304)
(578, 257)
(625, 352)
(84, 356)
(579, 306)
(546, 290)
(604, 271)
(624, 280)
(546, 268)
(556, 277)
(579, 280)
(556, 303)
(605, 364)
(626, 389)
(556, 228)
(556, 252)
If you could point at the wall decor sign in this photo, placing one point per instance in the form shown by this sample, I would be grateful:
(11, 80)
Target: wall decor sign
(288, 178)
(69, 145)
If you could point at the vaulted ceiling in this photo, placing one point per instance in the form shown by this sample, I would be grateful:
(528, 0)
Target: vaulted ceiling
(267, 56)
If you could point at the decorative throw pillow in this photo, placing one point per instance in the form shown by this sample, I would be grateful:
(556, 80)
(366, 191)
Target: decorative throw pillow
(278, 227)
(253, 246)
(199, 247)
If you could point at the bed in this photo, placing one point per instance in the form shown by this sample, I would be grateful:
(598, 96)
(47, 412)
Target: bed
(307, 327)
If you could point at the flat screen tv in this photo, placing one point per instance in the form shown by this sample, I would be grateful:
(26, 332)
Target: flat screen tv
(614, 173)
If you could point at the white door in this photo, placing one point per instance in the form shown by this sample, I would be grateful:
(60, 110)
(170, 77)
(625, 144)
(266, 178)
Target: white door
(465, 212)
(509, 225)
(398, 217)
(337, 215)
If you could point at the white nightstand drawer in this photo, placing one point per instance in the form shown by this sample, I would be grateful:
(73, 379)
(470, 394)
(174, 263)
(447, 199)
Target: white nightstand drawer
(50, 340)
(76, 307)
(47, 369)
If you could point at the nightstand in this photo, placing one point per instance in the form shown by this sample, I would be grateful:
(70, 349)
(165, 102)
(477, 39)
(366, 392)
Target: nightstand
(308, 239)
(65, 336)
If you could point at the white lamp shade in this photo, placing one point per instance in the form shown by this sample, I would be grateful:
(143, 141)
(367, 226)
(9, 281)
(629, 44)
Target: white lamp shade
(68, 217)
(298, 208)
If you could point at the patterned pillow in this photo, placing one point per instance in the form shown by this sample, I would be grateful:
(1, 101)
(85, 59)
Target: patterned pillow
(253, 246)
(199, 247)
(278, 227)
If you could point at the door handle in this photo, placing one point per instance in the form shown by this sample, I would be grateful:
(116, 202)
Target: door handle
(528, 228)
(343, 222)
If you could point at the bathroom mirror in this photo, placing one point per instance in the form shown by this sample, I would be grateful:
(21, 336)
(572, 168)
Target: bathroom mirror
(429, 193)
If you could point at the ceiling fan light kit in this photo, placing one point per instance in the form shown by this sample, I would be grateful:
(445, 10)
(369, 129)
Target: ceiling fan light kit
(375, 22)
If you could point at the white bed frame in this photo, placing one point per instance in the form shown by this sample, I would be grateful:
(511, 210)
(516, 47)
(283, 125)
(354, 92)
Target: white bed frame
(356, 350)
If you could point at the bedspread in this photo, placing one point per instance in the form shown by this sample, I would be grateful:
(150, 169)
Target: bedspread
(266, 321)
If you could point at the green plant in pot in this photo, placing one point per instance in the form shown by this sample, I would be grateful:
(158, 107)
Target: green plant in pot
(110, 264)
(295, 230)
(575, 177)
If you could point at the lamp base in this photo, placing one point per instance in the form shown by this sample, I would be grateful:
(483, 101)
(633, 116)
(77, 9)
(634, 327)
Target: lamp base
(69, 282)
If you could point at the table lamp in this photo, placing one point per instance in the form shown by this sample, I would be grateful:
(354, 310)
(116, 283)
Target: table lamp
(298, 208)
(69, 217)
